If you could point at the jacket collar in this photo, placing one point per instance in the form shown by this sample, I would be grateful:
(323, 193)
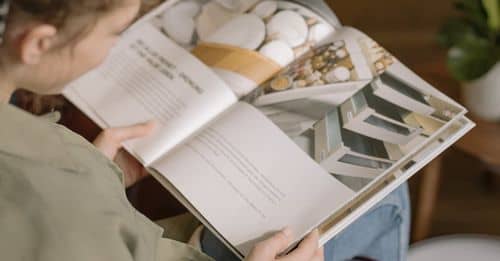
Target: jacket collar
(32, 138)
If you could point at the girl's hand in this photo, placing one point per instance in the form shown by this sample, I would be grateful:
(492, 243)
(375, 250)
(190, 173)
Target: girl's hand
(269, 249)
(109, 142)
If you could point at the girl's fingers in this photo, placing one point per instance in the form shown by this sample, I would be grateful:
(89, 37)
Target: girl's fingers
(306, 250)
(319, 255)
(277, 243)
(271, 247)
(110, 140)
(121, 134)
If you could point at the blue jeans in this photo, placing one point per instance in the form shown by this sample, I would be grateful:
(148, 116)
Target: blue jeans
(381, 234)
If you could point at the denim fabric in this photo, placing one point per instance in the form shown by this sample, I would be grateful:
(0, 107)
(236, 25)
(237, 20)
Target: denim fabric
(381, 234)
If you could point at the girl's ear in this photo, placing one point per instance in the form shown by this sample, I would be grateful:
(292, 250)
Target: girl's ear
(35, 43)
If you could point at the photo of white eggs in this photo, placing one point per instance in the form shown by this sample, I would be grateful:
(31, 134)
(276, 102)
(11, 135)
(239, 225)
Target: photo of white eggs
(279, 30)
(330, 64)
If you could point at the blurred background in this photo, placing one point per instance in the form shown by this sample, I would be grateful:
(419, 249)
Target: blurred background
(459, 192)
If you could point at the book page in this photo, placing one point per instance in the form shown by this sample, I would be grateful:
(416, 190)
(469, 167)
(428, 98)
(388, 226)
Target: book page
(249, 180)
(148, 77)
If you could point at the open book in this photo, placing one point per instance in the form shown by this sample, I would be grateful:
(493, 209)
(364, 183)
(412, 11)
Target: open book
(270, 115)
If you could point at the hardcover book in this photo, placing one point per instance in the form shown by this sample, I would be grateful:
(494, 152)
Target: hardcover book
(271, 115)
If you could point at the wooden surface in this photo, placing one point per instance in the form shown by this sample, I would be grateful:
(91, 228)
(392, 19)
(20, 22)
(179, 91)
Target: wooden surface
(427, 197)
(483, 142)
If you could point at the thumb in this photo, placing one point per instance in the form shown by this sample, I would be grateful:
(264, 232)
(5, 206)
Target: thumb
(271, 247)
(307, 248)
(110, 140)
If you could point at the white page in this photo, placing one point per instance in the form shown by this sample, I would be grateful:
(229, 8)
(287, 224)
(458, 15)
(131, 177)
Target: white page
(248, 179)
(166, 83)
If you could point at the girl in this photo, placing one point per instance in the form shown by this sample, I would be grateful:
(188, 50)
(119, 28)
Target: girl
(60, 197)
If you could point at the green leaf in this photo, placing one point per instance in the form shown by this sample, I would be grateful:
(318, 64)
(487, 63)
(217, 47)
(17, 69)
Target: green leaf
(474, 11)
(455, 31)
(492, 8)
(471, 58)
(472, 8)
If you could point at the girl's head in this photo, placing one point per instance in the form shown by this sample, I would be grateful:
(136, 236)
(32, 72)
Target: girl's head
(48, 43)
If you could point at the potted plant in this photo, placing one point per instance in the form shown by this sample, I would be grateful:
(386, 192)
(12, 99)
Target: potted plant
(473, 42)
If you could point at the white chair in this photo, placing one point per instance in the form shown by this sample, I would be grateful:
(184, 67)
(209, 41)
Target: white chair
(456, 248)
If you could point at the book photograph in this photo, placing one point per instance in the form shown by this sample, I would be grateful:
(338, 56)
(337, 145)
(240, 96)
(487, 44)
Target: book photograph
(280, 30)
(243, 43)
(372, 132)
(345, 64)
(373, 129)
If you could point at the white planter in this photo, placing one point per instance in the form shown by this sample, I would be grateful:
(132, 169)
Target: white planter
(482, 96)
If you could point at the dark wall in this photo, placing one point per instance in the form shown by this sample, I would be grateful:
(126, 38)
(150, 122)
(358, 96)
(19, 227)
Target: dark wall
(406, 27)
